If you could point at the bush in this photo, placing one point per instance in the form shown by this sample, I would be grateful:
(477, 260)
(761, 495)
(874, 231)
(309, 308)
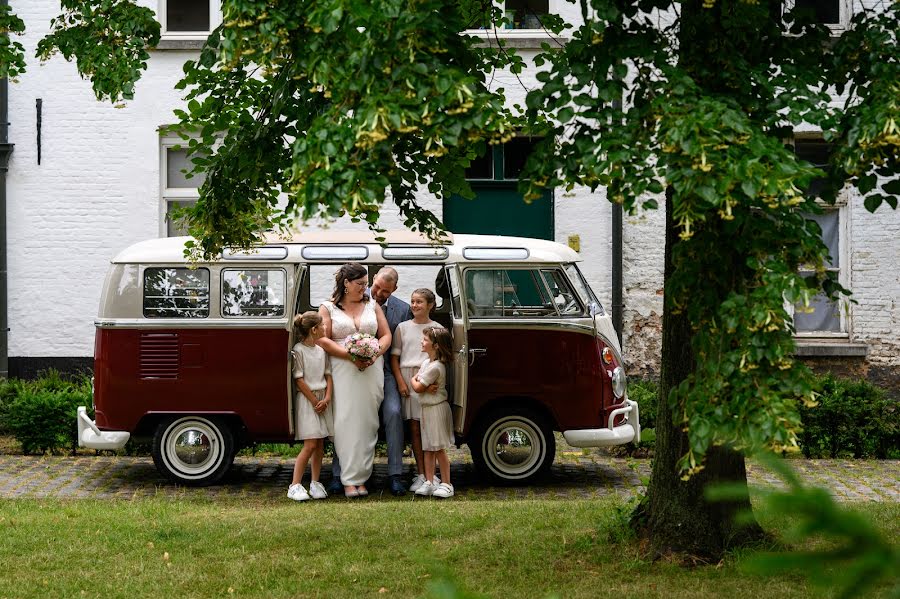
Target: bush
(645, 392)
(9, 391)
(41, 413)
(852, 419)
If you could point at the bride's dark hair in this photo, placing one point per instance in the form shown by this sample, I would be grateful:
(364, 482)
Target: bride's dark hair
(346, 273)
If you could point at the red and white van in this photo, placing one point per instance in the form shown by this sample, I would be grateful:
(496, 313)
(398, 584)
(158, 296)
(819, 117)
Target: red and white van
(196, 357)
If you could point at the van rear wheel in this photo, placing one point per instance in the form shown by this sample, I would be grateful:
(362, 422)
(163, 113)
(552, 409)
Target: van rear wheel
(513, 446)
(193, 450)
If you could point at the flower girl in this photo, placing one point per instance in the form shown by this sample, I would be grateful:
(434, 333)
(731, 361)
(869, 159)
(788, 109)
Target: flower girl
(315, 421)
(437, 420)
(406, 358)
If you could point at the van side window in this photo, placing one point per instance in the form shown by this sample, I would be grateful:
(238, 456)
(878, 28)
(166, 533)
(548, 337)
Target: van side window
(176, 293)
(564, 298)
(507, 294)
(253, 292)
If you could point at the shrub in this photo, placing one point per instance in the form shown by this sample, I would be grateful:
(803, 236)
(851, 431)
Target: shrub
(852, 419)
(9, 391)
(645, 392)
(41, 413)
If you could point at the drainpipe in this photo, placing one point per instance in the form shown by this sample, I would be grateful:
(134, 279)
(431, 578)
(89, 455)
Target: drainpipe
(618, 305)
(6, 149)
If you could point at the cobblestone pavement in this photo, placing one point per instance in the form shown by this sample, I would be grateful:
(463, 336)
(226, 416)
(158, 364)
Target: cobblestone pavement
(575, 474)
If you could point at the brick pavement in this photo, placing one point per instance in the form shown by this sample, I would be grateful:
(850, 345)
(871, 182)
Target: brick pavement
(576, 474)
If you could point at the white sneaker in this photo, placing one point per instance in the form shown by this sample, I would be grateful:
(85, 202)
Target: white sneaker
(297, 493)
(419, 480)
(426, 489)
(443, 491)
(416, 483)
(316, 490)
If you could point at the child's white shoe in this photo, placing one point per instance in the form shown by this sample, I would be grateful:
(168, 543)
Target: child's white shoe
(297, 492)
(426, 489)
(418, 481)
(443, 491)
(316, 490)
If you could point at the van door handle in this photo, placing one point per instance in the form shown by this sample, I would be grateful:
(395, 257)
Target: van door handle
(475, 352)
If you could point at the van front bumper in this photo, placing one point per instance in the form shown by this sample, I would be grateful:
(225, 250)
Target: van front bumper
(612, 435)
(93, 438)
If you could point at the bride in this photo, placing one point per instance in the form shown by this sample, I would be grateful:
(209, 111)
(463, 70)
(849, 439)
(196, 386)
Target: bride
(359, 385)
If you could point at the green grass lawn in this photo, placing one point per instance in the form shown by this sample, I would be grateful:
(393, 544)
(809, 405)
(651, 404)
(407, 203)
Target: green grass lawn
(229, 548)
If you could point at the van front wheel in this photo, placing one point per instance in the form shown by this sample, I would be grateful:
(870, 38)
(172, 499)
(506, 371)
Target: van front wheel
(513, 446)
(193, 450)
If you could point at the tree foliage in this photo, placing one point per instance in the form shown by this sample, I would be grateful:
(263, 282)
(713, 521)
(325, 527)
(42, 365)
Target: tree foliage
(708, 103)
(309, 108)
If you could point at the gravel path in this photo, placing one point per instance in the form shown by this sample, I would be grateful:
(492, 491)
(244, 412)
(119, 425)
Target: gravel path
(575, 474)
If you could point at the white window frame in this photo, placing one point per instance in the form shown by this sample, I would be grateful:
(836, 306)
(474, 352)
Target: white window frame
(215, 19)
(843, 303)
(510, 34)
(841, 206)
(845, 12)
(171, 194)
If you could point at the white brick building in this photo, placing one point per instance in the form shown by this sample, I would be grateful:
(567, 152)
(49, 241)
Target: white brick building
(103, 183)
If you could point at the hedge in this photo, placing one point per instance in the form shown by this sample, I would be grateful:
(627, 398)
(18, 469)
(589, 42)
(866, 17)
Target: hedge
(852, 419)
(41, 413)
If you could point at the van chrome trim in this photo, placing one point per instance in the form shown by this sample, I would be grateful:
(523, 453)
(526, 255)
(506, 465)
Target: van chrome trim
(611, 435)
(186, 323)
(90, 436)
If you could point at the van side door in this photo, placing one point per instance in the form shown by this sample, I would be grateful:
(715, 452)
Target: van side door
(460, 348)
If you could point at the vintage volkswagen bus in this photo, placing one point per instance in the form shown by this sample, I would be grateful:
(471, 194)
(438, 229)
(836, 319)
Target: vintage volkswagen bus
(197, 357)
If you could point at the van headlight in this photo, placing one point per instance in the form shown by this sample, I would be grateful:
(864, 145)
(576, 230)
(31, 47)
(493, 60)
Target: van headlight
(619, 382)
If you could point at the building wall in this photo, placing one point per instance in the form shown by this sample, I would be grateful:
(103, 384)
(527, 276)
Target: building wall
(97, 190)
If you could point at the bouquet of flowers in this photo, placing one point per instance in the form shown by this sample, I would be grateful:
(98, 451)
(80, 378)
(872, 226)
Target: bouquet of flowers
(362, 346)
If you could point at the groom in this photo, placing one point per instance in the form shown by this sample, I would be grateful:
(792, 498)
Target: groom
(396, 311)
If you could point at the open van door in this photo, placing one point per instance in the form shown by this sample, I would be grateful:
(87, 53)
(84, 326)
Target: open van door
(460, 348)
(297, 303)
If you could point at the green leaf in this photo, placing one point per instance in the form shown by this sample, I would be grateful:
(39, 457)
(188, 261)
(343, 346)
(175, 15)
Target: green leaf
(872, 202)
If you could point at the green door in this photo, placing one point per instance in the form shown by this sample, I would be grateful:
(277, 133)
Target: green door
(498, 207)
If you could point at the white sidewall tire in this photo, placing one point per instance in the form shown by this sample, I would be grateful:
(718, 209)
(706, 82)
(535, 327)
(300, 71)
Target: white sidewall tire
(528, 465)
(211, 467)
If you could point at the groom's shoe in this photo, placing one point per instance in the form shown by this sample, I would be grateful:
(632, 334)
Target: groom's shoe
(396, 486)
(335, 487)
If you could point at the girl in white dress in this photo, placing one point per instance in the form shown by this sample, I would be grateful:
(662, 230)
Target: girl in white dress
(437, 419)
(358, 384)
(406, 358)
(315, 421)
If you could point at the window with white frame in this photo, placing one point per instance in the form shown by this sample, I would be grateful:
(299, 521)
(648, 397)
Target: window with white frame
(177, 189)
(824, 317)
(189, 19)
(834, 14)
(517, 14)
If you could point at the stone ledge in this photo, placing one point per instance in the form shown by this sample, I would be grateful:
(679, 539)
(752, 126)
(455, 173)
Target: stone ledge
(523, 42)
(180, 45)
(822, 348)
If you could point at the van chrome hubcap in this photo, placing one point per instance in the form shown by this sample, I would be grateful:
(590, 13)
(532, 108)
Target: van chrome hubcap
(514, 446)
(192, 446)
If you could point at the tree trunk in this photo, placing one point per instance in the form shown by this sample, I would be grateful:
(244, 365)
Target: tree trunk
(675, 517)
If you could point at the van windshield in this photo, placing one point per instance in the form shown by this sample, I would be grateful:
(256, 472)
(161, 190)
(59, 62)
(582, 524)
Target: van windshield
(584, 290)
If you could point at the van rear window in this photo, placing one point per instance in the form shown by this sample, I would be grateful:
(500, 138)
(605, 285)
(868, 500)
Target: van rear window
(253, 292)
(176, 293)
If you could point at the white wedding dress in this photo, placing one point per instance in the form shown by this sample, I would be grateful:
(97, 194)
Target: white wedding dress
(357, 398)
